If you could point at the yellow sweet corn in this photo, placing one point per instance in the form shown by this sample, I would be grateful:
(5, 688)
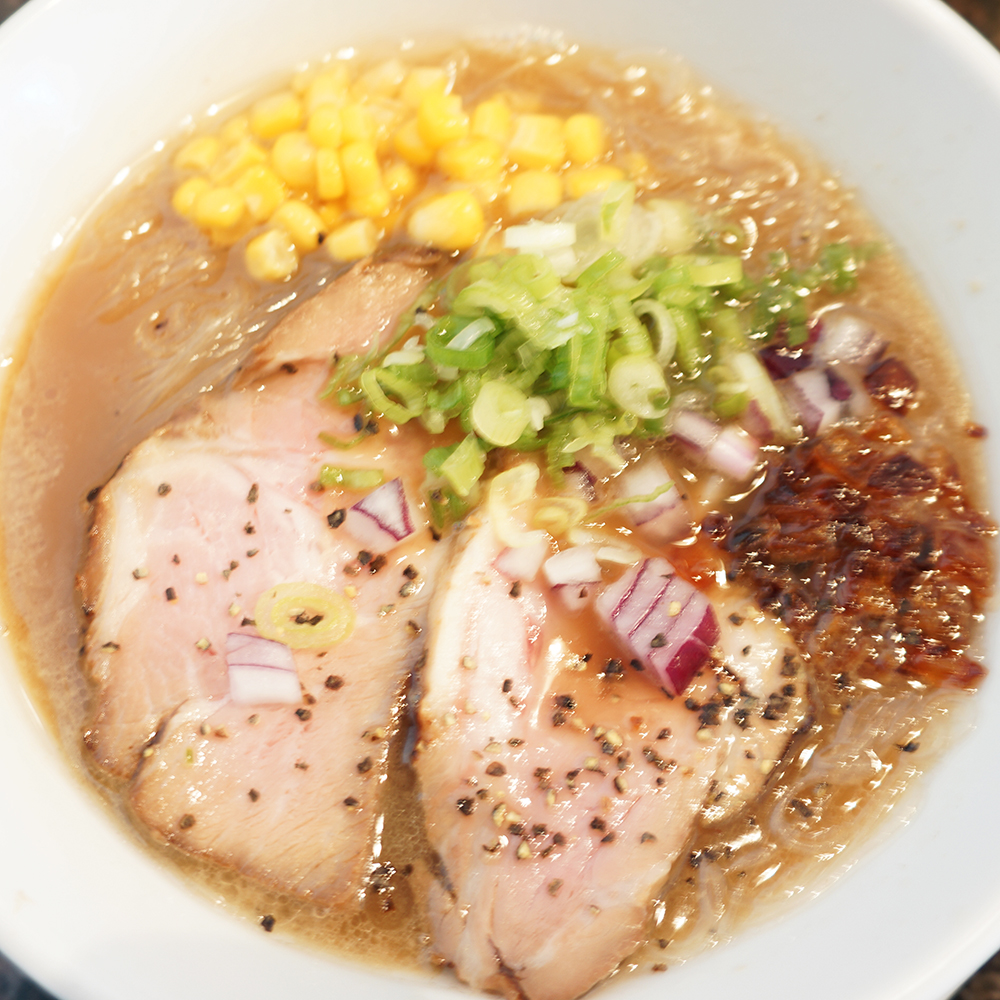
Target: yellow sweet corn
(380, 81)
(219, 208)
(410, 146)
(245, 153)
(362, 173)
(358, 123)
(585, 138)
(492, 120)
(329, 87)
(275, 114)
(373, 204)
(198, 153)
(262, 190)
(470, 159)
(441, 119)
(331, 214)
(271, 256)
(537, 142)
(422, 81)
(329, 175)
(235, 129)
(452, 221)
(187, 194)
(400, 180)
(325, 128)
(352, 241)
(583, 180)
(302, 223)
(533, 192)
(293, 158)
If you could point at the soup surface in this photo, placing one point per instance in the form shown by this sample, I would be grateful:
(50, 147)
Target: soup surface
(856, 530)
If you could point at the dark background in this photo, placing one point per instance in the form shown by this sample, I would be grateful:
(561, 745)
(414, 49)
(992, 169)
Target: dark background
(984, 15)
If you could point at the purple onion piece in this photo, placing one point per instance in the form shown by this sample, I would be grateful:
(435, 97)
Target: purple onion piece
(576, 566)
(382, 518)
(840, 388)
(846, 337)
(261, 671)
(780, 360)
(808, 394)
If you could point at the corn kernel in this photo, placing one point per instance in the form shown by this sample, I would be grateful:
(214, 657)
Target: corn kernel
(400, 180)
(385, 115)
(362, 173)
(537, 141)
(410, 146)
(219, 207)
(245, 153)
(262, 190)
(380, 81)
(329, 87)
(583, 180)
(373, 203)
(235, 129)
(331, 214)
(271, 256)
(329, 176)
(585, 138)
(187, 194)
(302, 223)
(358, 123)
(275, 114)
(421, 81)
(198, 154)
(352, 241)
(492, 120)
(534, 192)
(226, 236)
(293, 157)
(325, 128)
(452, 221)
(441, 119)
(470, 159)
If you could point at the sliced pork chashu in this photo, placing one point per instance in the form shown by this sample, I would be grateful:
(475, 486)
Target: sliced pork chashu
(204, 517)
(558, 793)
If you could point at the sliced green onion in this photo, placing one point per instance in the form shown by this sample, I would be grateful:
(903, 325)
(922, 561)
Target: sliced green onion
(461, 344)
(712, 271)
(463, 467)
(663, 328)
(350, 479)
(500, 413)
(637, 385)
(380, 385)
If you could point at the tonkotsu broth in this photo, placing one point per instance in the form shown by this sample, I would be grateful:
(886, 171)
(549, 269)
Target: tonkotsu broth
(145, 314)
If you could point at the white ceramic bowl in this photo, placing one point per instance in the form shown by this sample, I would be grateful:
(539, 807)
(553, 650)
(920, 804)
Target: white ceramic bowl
(899, 95)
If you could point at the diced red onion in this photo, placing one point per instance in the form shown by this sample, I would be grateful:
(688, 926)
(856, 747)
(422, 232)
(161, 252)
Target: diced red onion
(845, 336)
(581, 482)
(664, 621)
(754, 421)
(780, 360)
(808, 393)
(730, 450)
(522, 562)
(662, 519)
(382, 519)
(572, 575)
(261, 671)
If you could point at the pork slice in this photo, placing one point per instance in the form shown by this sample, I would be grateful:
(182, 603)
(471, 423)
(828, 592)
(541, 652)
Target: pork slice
(204, 517)
(557, 794)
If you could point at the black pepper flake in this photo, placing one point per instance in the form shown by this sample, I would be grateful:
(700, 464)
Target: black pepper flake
(435, 534)
(656, 760)
(647, 838)
(351, 802)
(554, 886)
(377, 563)
(566, 701)
(658, 641)
(736, 619)
(94, 494)
(496, 769)
(336, 517)
(163, 489)
(267, 922)
(636, 664)
(746, 650)
(304, 714)
(309, 699)
(516, 829)
(254, 794)
(515, 742)
(289, 367)
(515, 590)
(466, 806)
(659, 967)
(559, 718)
(597, 823)
(251, 553)
(301, 765)
(365, 557)
(908, 747)
(176, 559)
(365, 765)
(170, 594)
(113, 647)
(799, 806)
(608, 838)
(359, 422)
(507, 685)
(186, 821)
(248, 622)
(253, 494)
(613, 670)
(663, 734)
(558, 839)
(410, 573)
(249, 528)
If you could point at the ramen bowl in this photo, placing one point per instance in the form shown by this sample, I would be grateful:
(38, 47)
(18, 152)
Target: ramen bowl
(899, 96)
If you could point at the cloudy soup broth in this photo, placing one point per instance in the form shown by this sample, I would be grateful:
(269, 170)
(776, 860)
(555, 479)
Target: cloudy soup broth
(852, 525)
